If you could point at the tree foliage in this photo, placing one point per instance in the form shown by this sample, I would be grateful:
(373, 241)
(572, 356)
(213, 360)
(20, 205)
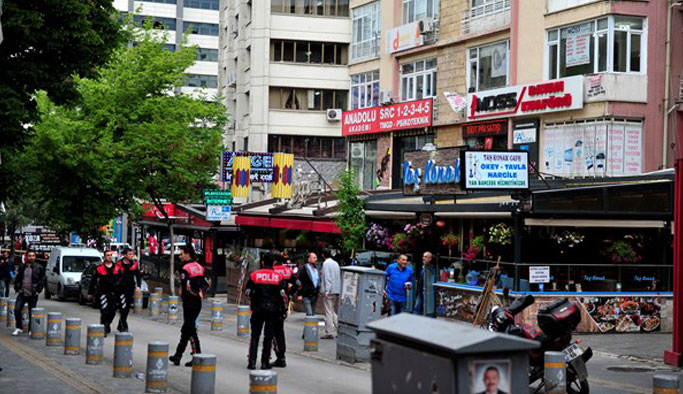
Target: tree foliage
(351, 218)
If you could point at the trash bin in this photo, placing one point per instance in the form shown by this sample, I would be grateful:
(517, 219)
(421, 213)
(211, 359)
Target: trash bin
(415, 354)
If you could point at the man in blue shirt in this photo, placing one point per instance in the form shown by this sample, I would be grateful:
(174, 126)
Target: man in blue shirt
(399, 278)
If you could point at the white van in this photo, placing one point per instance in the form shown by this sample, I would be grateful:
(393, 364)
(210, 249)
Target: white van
(64, 269)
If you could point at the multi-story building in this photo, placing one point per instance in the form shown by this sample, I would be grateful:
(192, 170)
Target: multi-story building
(284, 75)
(197, 17)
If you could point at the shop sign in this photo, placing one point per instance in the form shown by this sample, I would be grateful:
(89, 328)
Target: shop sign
(539, 274)
(261, 166)
(217, 197)
(43, 241)
(401, 116)
(559, 95)
(217, 212)
(525, 138)
(578, 44)
(426, 219)
(485, 129)
(404, 37)
(432, 172)
(500, 170)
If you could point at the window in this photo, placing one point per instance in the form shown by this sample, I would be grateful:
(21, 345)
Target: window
(201, 80)
(306, 99)
(414, 10)
(308, 52)
(162, 1)
(207, 29)
(310, 147)
(78, 263)
(203, 4)
(365, 90)
(366, 31)
(169, 47)
(418, 80)
(488, 67)
(157, 22)
(311, 7)
(363, 161)
(611, 44)
(207, 55)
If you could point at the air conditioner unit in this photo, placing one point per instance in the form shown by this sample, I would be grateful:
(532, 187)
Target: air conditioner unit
(357, 152)
(334, 115)
(232, 79)
(428, 26)
(385, 97)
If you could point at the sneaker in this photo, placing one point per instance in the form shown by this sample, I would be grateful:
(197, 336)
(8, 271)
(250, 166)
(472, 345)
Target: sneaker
(17, 331)
(175, 359)
(279, 363)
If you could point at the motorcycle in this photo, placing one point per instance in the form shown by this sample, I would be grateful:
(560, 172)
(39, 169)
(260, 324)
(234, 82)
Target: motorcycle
(556, 322)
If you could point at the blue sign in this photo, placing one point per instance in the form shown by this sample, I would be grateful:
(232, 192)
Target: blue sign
(217, 212)
(261, 166)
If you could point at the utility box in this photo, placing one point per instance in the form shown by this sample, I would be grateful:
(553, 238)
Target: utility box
(414, 354)
(359, 304)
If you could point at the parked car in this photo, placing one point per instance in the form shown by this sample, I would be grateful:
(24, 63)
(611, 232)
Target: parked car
(64, 269)
(84, 295)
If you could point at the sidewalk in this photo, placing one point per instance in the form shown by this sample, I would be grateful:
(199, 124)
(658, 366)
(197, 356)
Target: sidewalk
(648, 347)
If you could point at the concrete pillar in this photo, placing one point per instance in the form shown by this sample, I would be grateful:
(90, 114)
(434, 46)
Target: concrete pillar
(242, 320)
(94, 349)
(72, 337)
(555, 376)
(154, 305)
(3, 310)
(172, 313)
(203, 374)
(123, 355)
(665, 384)
(217, 316)
(54, 329)
(137, 302)
(38, 323)
(163, 304)
(311, 334)
(11, 320)
(158, 290)
(157, 367)
(262, 382)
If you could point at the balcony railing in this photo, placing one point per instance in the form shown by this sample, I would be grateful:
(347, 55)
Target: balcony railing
(486, 17)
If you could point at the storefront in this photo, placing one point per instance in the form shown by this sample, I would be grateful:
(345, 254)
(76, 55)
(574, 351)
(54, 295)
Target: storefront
(490, 135)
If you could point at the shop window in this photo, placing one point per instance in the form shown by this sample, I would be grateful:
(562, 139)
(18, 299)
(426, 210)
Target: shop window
(365, 90)
(306, 99)
(309, 147)
(311, 7)
(488, 67)
(414, 10)
(202, 81)
(363, 161)
(418, 80)
(308, 52)
(366, 31)
(203, 4)
(206, 29)
(207, 55)
(611, 44)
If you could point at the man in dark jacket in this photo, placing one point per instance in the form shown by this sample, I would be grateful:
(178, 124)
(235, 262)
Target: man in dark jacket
(107, 281)
(291, 285)
(5, 273)
(309, 277)
(28, 284)
(131, 281)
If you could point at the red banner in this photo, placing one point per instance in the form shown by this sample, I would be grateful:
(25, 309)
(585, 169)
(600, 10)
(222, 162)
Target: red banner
(401, 116)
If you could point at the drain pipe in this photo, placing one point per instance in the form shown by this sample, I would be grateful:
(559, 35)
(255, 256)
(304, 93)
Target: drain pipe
(667, 85)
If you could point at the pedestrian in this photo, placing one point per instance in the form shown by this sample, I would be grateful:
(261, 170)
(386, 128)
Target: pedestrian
(266, 291)
(330, 289)
(193, 286)
(6, 269)
(425, 286)
(131, 282)
(309, 277)
(291, 286)
(399, 278)
(28, 284)
(106, 287)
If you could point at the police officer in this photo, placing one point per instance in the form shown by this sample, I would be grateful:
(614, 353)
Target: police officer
(107, 281)
(131, 281)
(193, 285)
(266, 290)
(291, 286)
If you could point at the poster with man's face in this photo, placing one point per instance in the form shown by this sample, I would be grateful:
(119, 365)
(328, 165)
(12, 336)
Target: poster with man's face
(490, 377)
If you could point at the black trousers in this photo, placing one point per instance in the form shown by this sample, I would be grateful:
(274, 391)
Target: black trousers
(108, 303)
(188, 333)
(125, 303)
(22, 300)
(279, 338)
(259, 319)
(7, 282)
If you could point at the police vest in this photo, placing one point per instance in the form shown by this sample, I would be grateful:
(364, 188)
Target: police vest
(102, 270)
(131, 267)
(194, 269)
(266, 277)
(284, 271)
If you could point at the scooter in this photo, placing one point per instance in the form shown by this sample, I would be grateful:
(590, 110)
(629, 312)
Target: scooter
(556, 321)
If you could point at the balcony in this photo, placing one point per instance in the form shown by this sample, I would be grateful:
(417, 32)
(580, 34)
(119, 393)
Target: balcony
(486, 17)
(311, 76)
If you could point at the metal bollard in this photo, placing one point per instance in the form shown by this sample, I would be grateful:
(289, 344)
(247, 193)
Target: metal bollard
(157, 368)
(172, 313)
(11, 319)
(154, 301)
(262, 382)
(242, 320)
(665, 384)
(217, 316)
(72, 337)
(137, 302)
(555, 373)
(25, 323)
(311, 334)
(38, 323)
(54, 329)
(94, 349)
(123, 355)
(158, 290)
(3, 310)
(203, 374)
(163, 304)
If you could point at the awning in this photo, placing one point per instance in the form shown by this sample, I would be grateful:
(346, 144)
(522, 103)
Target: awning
(613, 223)
(389, 214)
(318, 226)
(473, 215)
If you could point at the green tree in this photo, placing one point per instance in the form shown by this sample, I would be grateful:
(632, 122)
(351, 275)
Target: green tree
(351, 218)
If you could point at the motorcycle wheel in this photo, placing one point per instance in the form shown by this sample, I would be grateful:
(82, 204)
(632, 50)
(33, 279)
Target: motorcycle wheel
(576, 386)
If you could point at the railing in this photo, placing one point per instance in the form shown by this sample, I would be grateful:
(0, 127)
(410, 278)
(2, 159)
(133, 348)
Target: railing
(486, 17)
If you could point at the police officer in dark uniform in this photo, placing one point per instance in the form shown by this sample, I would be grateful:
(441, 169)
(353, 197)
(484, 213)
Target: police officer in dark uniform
(292, 284)
(131, 281)
(266, 290)
(193, 285)
(107, 282)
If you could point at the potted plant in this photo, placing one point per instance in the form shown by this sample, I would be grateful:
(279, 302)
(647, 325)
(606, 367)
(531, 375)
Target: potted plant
(623, 251)
(400, 243)
(376, 236)
(449, 240)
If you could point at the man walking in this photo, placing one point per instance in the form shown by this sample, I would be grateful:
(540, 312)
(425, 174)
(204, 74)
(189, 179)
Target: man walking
(291, 285)
(28, 284)
(5, 273)
(309, 277)
(425, 286)
(266, 291)
(193, 285)
(330, 289)
(108, 282)
(399, 278)
(131, 281)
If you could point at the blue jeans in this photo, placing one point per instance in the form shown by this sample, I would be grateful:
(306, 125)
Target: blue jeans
(396, 307)
(309, 304)
(419, 304)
